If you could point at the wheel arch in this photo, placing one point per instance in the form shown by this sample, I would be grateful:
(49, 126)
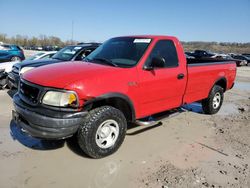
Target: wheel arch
(15, 55)
(116, 100)
(222, 82)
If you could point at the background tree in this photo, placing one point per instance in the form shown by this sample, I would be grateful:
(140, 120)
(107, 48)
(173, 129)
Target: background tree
(43, 40)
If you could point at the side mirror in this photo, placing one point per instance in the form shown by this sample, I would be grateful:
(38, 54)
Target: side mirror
(157, 62)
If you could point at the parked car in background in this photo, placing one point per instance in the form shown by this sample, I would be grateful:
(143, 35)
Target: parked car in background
(202, 54)
(229, 57)
(189, 55)
(42, 55)
(51, 48)
(11, 52)
(29, 47)
(246, 55)
(68, 53)
(242, 58)
(6, 67)
(221, 56)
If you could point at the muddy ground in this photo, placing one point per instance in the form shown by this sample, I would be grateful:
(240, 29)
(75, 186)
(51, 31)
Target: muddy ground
(188, 150)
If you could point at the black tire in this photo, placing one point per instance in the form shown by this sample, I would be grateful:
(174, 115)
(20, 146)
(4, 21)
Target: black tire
(15, 58)
(208, 104)
(87, 132)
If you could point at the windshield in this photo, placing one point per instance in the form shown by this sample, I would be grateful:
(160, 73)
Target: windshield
(67, 53)
(35, 56)
(121, 51)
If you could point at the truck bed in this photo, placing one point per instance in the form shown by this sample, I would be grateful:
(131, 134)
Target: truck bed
(203, 73)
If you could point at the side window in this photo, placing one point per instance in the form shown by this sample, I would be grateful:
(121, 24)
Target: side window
(5, 47)
(83, 54)
(46, 57)
(165, 49)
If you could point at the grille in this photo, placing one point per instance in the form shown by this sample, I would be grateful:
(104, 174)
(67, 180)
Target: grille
(29, 93)
(15, 70)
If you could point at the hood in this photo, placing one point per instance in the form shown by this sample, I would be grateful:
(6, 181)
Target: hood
(36, 63)
(63, 74)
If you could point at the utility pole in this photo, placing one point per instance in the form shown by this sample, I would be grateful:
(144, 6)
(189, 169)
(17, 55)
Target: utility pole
(72, 31)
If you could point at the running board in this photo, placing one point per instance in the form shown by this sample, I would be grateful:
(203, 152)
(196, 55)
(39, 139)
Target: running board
(156, 119)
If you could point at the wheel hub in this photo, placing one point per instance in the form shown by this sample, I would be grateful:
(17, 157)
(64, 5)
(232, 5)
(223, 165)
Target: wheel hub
(105, 131)
(216, 100)
(107, 134)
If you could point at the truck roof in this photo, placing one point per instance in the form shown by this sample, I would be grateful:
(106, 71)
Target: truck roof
(152, 36)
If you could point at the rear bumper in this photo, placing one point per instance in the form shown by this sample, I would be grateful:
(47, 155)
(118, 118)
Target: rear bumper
(43, 126)
(13, 80)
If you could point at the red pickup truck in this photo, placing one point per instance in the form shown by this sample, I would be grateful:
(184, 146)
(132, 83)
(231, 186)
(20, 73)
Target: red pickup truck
(124, 80)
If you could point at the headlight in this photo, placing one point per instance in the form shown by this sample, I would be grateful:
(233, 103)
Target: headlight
(25, 69)
(60, 99)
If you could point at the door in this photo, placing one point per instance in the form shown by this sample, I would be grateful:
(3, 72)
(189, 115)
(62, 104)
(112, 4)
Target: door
(162, 88)
(4, 50)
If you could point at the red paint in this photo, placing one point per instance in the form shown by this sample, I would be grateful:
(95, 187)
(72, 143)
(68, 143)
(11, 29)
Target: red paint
(150, 91)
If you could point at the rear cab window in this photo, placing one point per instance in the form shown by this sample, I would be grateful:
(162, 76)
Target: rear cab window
(165, 49)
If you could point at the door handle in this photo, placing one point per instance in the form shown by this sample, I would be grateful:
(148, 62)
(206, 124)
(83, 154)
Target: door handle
(180, 76)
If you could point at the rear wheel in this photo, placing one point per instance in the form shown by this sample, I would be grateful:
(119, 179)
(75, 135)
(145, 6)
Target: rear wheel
(212, 104)
(15, 58)
(102, 131)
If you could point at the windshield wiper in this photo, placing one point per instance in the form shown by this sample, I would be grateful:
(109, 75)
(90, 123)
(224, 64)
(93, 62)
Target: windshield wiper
(86, 59)
(107, 61)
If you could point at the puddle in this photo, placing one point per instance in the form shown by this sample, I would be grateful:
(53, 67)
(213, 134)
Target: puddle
(244, 86)
(31, 142)
(228, 109)
(194, 107)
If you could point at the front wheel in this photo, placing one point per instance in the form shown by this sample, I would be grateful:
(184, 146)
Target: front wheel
(212, 104)
(102, 131)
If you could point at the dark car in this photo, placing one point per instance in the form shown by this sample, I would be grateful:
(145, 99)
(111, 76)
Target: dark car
(52, 48)
(247, 55)
(11, 52)
(202, 54)
(242, 57)
(68, 53)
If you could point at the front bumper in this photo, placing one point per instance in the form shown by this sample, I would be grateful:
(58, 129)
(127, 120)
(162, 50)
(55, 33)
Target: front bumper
(59, 126)
(3, 78)
(13, 80)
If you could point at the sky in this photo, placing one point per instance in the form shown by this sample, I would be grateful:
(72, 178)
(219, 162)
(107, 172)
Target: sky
(99, 20)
